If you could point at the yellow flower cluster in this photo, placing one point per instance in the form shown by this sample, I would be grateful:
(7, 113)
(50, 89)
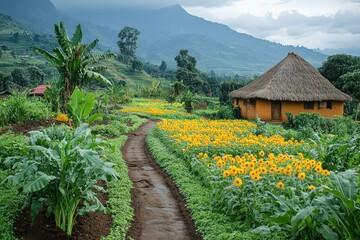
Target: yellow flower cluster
(219, 133)
(61, 118)
(259, 165)
(155, 111)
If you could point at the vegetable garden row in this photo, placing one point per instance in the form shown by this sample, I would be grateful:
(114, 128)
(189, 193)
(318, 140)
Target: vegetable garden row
(241, 179)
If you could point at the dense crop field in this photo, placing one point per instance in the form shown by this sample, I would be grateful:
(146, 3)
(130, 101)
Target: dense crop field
(273, 184)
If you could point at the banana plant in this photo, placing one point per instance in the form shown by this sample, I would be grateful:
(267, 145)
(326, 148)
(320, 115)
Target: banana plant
(74, 60)
(80, 107)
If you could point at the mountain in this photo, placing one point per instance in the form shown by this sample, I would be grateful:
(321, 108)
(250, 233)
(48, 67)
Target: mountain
(215, 46)
(350, 51)
(167, 30)
(16, 53)
(38, 14)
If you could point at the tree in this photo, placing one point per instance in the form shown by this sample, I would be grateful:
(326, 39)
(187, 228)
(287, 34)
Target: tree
(4, 81)
(20, 77)
(188, 102)
(187, 72)
(128, 38)
(350, 83)
(178, 87)
(36, 76)
(337, 65)
(162, 66)
(4, 48)
(16, 37)
(136, 65)
(74, 60)
(227, 87)
(37, 38)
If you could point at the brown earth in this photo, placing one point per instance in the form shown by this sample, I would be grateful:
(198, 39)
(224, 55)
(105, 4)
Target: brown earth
(160, 209)
(24, 128)
(91, 226)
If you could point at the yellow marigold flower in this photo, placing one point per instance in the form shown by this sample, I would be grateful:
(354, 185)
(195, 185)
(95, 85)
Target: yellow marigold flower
(200, 154)
(302, 176)
(298, 169)
(233, 172)
(263, 170)
(220, 164)
(318, 169)
(237, 182)
(210, 164)
(280, 185)
(311, 187)
(61, 118)
(255, 177)
(226, 174)
(205, 155)
(326, 172)
(273, 170)
(261, 153)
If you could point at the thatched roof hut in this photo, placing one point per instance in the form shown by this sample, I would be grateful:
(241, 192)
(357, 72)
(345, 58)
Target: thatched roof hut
(292, 79)
(293, 85)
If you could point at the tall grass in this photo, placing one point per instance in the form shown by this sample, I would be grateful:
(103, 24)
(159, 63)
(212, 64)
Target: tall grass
(19, 109)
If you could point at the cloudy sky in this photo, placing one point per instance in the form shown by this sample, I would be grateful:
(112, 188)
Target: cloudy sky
(310, 23)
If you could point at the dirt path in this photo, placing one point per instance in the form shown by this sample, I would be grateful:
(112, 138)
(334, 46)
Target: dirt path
(160, 212)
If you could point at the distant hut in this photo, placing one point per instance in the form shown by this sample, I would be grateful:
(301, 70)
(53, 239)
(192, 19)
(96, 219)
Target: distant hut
(293, 85)
(39, 90)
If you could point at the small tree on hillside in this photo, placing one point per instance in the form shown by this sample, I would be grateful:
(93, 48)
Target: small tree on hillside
(128, 39)
(187, 71)
(162, 66)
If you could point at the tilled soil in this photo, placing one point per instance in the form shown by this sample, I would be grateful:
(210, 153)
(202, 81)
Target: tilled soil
(160, 212)
(91, 226)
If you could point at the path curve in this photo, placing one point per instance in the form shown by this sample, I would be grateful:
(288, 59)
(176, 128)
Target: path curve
(160, 212)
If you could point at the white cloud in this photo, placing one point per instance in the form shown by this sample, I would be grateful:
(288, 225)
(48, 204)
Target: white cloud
(310, 23)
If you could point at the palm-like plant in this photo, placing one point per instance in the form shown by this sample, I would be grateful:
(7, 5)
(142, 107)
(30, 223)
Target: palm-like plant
(74, 60)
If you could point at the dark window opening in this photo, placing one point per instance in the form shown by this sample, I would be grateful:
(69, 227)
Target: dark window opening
(329, 104)
(308, 105)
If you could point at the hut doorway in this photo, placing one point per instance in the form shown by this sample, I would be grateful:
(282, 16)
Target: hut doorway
(276, 110)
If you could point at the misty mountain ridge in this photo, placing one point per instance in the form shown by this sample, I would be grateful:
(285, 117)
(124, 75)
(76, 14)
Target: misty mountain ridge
(167, 30)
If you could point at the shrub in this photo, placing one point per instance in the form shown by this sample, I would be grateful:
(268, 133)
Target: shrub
(19, 109)
(11, 145)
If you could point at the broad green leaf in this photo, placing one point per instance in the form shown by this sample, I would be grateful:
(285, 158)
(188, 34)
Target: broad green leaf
(77, 36)
(40, 181)
(88, 105)
(327, 233)
(301, 216)
(262, 230)
(94, 117)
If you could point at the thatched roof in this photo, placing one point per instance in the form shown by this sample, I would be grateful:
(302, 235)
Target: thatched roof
(292, 79)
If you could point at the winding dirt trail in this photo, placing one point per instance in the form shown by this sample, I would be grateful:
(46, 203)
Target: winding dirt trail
(160, 212)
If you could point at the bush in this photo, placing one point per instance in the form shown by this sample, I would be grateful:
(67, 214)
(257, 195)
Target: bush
(228, 112)
(19, 109)
(336, 125)
(11, 145)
